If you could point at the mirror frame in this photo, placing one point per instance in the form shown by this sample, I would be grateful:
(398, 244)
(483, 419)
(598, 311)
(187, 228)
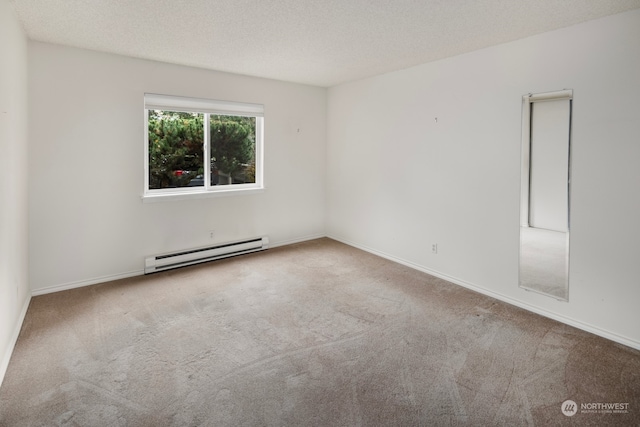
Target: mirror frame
(525, 179)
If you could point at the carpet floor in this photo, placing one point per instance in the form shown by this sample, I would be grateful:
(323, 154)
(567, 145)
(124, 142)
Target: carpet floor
(312, 334)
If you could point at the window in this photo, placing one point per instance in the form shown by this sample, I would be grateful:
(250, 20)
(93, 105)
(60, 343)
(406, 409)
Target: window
(199, 147)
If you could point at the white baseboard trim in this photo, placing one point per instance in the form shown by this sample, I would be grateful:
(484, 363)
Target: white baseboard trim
(298, 240)
(88, 282)
(14, 339)
(81, 283)
(562, 319)
(102, 279)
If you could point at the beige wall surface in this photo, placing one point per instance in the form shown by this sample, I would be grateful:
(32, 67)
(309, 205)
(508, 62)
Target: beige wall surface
(88, 222)
(14, 285)
(431, 154)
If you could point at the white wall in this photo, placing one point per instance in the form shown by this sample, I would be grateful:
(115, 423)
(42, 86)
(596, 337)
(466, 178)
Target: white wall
(87, 220)
(14, 285)
(399, 181)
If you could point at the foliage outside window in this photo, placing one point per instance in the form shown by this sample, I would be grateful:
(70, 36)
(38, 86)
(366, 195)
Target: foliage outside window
(197, 146)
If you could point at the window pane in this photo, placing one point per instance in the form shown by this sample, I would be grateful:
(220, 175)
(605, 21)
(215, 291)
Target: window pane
(233, 150)
(175, 149)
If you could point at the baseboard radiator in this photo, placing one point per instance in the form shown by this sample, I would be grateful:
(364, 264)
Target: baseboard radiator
(163, 262)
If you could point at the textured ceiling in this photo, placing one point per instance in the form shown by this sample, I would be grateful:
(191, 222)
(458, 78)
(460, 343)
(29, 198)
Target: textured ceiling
(318, 42)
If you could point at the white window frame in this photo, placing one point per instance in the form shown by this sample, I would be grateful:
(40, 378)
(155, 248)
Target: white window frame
(207, 107)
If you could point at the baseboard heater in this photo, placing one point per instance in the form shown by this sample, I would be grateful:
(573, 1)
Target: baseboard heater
(194, 256)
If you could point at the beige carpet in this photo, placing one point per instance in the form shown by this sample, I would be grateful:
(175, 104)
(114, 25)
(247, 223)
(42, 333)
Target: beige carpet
(312, 334)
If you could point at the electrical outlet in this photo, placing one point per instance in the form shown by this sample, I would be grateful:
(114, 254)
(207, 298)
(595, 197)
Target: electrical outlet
(434, 248)
(212, 234)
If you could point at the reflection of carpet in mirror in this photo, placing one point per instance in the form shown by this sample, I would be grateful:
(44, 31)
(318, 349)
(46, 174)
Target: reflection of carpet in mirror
(543, 261)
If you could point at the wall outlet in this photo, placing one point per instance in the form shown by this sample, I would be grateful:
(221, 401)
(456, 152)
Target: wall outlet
(212, 234)
(434, 248)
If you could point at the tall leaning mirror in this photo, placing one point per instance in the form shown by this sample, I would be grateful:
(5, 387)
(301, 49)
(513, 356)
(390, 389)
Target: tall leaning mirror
(545, 193)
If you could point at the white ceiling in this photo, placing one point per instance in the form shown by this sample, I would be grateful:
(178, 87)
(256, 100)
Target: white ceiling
(318, 42)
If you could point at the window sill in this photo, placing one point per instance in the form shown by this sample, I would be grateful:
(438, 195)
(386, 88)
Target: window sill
(199, 194)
